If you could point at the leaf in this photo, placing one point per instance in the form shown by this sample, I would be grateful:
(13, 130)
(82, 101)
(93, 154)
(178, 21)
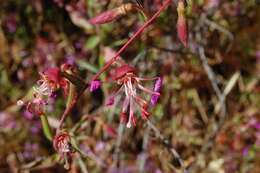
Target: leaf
(92, 42)
(87, 66)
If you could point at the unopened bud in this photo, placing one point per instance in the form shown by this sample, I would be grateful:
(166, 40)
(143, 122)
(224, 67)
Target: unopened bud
(182, 24)
(110, 15)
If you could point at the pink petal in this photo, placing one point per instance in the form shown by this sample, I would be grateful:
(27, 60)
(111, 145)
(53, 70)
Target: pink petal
(94, 85)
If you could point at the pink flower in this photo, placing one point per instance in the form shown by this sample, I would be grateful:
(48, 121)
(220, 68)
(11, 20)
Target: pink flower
(94, 85)
(126, 77)
(51, 80)
(62, 144)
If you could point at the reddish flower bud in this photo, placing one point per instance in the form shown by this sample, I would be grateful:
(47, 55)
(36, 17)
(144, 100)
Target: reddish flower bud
(182, 24)
(112, 14)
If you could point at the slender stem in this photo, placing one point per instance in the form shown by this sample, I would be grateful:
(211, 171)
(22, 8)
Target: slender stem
(167, 144)
(72, 91)
(46, 127)
(114, 59)
(144, 155)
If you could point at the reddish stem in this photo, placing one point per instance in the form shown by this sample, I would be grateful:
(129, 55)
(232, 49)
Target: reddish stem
(112, 60)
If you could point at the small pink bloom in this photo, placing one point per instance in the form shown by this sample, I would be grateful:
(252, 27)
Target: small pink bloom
(51, 80)
(126, 77)
(111, 101)
(94, 85)
(157, 87)
(62, 144)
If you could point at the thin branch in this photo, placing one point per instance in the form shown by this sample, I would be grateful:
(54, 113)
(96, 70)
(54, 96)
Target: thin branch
(118, 144)
(220, 28)
(221, 97)
(209, 72)
(167, 144)
(144, 149)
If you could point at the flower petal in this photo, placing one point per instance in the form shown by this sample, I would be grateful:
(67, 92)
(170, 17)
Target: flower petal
(154, 99)
(94, 85)
(111, 101)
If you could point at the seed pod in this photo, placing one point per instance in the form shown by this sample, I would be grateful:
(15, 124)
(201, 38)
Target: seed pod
(110, 15)
(182, 24)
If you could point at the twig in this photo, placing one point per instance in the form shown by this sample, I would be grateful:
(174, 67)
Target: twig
(118, 144)
(209, 72)
(167, 144)
(221, 97)
(219, 27)
(144, 148)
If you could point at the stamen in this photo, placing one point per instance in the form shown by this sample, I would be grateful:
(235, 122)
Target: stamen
(145, 79)
(148, 90)
(133, 120)
(128, 125)
(123, 118)
(42, 89)
(111, 100)
(131, 113)
(126, 103)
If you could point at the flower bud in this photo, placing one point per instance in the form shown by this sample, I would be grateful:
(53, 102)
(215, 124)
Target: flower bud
(112, 14)
(182, 24)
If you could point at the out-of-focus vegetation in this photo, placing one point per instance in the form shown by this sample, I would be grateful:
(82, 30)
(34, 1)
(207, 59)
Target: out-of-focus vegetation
(39, 34)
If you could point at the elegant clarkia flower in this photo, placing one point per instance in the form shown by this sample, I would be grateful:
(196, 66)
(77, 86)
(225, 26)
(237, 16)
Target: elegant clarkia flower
(51, 80)
(62, 144)
(128, 81)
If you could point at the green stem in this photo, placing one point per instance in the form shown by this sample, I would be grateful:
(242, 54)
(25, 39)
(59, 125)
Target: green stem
(72, 91)
(46, 127)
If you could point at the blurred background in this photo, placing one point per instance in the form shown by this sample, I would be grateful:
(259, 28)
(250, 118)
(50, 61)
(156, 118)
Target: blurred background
(209, 108)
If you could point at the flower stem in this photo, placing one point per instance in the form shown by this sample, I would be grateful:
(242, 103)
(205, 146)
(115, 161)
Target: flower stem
(72, 91)
(46, 128)
(114, 59)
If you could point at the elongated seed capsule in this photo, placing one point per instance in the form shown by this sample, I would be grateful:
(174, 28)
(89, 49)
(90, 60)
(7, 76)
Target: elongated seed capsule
(110, 15)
